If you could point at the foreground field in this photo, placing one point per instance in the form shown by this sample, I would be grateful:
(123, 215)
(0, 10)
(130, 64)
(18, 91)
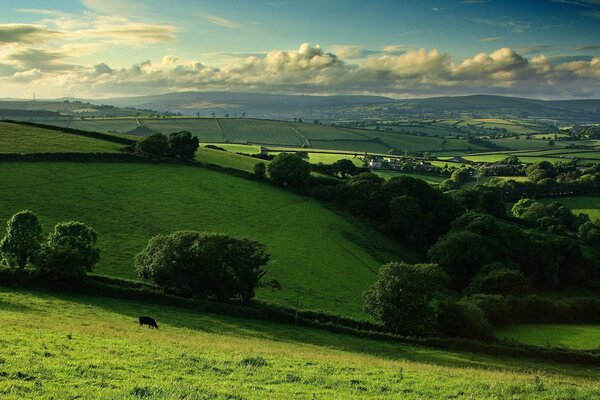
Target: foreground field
(321, 258)
(583, 337)
(63, 346)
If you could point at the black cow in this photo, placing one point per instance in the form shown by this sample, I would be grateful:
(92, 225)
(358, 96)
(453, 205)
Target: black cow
(148, 321)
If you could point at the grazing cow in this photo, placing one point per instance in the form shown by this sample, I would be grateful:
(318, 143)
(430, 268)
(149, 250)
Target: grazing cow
(148, 321)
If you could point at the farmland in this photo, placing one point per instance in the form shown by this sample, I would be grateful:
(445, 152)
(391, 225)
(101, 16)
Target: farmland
(57, 346)
(580, 204)
(15, 138)
(326, 259)
(582, 337)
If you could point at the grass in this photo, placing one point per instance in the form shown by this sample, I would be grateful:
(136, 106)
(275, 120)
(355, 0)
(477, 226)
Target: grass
(589, 205)
(227, 159)
(63, 346)
(325, 259)
(15, 138)
(431, 179)
(582, 337)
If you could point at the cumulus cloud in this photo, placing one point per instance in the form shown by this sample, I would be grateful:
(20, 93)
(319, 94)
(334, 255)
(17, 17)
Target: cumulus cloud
(311, 69)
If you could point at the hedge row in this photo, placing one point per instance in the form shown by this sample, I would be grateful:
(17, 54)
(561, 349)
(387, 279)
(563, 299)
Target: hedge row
(131, 290)
(95, 135)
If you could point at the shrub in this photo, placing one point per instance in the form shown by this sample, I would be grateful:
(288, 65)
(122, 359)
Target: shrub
(182, 145)
(497, 279)
(260, 170)
(154, 146)
(23, 238)
(464, 320)
(201, 264)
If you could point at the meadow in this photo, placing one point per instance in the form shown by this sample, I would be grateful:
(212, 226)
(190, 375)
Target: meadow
(589, 205)
(67, 346)
(16, 138)
(324, 259)
(581, 337)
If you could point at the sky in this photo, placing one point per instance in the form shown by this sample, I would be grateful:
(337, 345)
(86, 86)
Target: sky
(544, 49)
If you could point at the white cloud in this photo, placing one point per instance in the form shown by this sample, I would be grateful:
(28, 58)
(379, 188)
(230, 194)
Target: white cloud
(221, 21)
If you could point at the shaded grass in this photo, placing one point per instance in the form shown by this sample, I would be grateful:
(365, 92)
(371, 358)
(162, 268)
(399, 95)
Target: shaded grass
(582, 337)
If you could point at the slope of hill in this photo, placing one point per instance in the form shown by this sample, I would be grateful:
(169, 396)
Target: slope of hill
(16, 138)
(65, 346)
(320, 258)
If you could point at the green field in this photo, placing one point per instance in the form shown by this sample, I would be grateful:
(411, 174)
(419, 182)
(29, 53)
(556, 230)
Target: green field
(317, 254)
(589, 205)
(582, 337)
(64, 346)
(227, 159)
(16, 138)
(431, 179)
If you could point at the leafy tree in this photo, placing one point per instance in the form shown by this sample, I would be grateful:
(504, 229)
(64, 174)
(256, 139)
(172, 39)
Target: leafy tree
(154, 146)
(589, 233)
(290, 169)
(70, 251)
(540, 170)
(402, 297)
(463, 319)
(344, 167)
(260, 170)
(182, 145)
(461, 254)
(203, 264)
(498, 279)
(23, 238)
(406, 218)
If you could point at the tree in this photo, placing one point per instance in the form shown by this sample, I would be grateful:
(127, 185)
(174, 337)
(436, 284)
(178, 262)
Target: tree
(289, 169)
(461, 254)
(203, 264)
(23, 238)
(540, 170)
(589, 233)
(182, 145)
(154, 146)
(260, 170)
(402, 297)
(406, 218)
(70, 251)
(344, 167)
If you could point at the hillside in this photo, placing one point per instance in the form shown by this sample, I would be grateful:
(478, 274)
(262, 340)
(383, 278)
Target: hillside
(318, 255)
(65, 346)
(16, 138)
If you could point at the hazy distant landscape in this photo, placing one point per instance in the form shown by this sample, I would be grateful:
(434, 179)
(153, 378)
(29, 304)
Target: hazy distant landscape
(200, 203)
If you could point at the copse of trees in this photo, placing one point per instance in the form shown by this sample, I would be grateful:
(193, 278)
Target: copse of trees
(23, 239)
(180, 145)
(200, 264)
(70, 251)
(290, 170)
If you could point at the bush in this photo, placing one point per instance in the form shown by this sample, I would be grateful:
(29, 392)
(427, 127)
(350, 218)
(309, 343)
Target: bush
(497, 309)
(402, 297)
(23, 238)
(463, 320)
(182, 145)
(154, 146)
(497, 279)
(201, 264)
(70, 251)
(260, 170)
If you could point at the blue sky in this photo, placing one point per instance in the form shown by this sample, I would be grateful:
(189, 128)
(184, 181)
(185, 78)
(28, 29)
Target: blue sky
(543, 48)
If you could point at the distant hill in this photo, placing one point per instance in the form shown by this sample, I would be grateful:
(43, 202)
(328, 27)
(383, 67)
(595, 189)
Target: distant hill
(25, 109)
(355, 107)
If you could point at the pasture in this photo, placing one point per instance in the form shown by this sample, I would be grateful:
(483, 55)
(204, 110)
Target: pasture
(16, 138)
(324, 259)
(581, 337)
(66, 346)
(589, 205)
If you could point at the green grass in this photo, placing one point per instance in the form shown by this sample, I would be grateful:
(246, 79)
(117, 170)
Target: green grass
(326, 259)
(62, 346)
(431, 179)
(582, 337)
(15, 138)
(580, 204)
(259, 131)
(325, 158)
(227, 159)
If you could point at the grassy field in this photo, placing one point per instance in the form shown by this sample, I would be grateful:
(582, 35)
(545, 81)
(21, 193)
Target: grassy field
(227, 159)
(431, 179)
(318, 255)
(589, 205)
(15, 138)
(582, 337)
(63, 346)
